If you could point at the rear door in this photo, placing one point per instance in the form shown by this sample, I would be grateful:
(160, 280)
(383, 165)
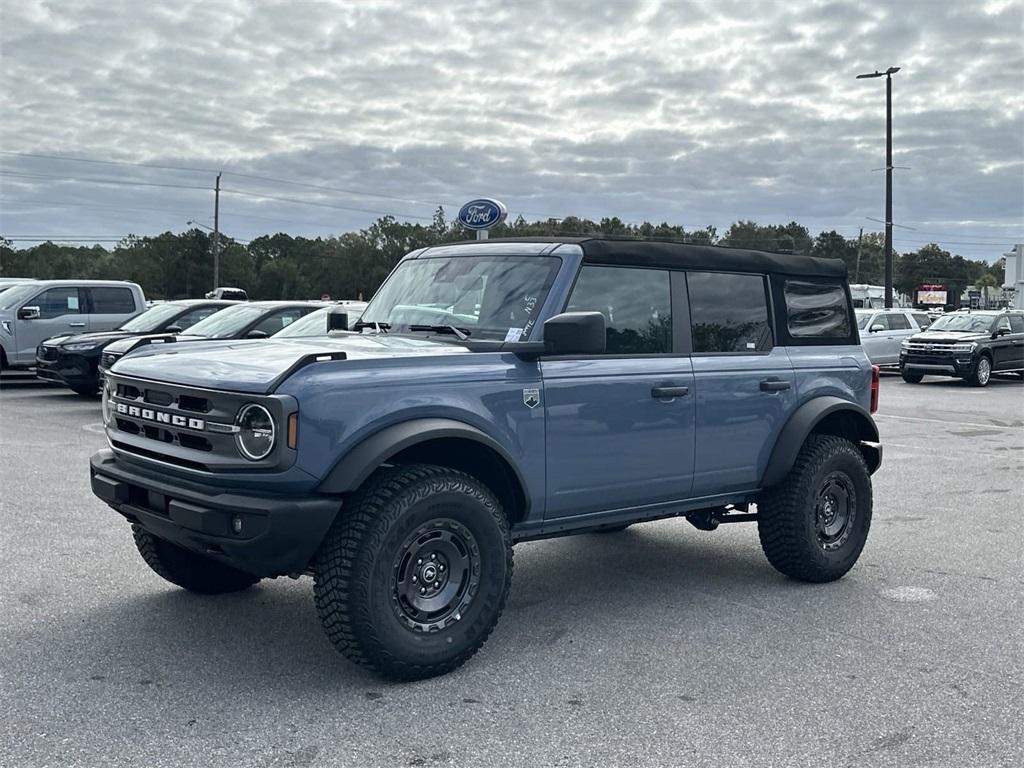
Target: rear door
(111, 306)
(745, 383)
(900, 328)
(61, 312)
(1017, 341)
(620, 429)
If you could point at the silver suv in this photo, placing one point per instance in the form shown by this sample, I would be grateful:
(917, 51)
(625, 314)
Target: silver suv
(31, 312)
(883, 330)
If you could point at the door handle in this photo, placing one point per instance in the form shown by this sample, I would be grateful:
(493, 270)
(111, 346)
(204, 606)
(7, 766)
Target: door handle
(77, 325)
(773, 385)
(661, 393)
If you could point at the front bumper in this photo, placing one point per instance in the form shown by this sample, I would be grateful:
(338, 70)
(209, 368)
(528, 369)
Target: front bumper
(75, 371)
(264, 535)
(949, 364)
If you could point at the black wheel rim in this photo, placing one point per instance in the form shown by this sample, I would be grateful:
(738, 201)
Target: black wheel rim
(835, 511)
(436, 575)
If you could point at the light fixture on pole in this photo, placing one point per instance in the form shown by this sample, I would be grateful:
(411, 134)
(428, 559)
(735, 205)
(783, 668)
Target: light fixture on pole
(888, 176)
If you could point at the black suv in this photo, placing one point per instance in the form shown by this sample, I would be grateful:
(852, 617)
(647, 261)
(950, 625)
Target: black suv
(967, 345)
(74, 359)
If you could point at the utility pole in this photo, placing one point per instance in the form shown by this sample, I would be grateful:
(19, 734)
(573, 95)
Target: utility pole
(856, 274)
(888, 177)
(216, 235)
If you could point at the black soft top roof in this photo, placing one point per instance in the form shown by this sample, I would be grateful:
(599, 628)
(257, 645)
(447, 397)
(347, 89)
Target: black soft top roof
(653, 253)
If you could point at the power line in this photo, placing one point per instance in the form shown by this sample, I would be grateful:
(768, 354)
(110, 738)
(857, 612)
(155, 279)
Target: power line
(114, 182)
(107, 162)
(325, 205)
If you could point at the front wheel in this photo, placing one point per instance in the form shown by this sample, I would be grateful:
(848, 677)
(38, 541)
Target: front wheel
(813, 525)
(414, 574)
(189, 570)
(982, 373)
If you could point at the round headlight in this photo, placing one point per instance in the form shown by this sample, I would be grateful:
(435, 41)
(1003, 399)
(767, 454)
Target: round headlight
(256, 433)
(105, 401)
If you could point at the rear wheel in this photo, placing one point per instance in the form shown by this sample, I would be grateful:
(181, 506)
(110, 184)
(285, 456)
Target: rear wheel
(414, 574)
(982, 373)
(813, 525)
(189, 570)
(912, 378)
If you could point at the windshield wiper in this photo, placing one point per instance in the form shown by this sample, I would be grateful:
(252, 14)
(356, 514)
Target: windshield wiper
(379, 327)
(460, 333)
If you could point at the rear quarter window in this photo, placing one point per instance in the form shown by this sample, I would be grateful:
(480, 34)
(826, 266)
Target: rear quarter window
(817, 310)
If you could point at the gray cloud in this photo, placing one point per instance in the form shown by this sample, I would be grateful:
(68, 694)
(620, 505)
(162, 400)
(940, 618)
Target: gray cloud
(692, 112)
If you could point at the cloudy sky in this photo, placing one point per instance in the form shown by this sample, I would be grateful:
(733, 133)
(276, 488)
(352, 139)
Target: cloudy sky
(325, 115)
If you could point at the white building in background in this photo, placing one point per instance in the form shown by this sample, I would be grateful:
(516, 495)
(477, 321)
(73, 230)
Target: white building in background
(1014, 280)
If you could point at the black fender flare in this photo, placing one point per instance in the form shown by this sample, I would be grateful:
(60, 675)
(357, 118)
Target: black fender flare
(802, 423)
(360, 462)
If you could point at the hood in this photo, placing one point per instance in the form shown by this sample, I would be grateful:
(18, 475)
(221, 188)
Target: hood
(948, 337)
(256, 365)
(97, 337)
(126, 341)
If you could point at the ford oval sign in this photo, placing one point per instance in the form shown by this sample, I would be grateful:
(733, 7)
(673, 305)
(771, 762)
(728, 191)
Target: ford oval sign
(482, 214)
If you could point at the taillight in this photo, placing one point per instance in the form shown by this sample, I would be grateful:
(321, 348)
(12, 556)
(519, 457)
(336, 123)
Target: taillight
(876, 381)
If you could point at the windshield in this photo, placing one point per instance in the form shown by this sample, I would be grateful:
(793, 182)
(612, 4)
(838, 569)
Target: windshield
(227, 322)
(13, 296)
(313, 324)
(490, 297)
(969, 323)
(152, 319)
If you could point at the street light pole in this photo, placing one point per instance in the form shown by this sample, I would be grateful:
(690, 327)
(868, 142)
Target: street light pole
(216, 235)
(888, 177)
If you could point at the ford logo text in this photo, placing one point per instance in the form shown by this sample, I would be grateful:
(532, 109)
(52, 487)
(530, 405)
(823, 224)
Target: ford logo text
(483, 213)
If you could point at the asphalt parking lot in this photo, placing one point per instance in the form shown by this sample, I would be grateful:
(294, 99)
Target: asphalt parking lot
(660, 646)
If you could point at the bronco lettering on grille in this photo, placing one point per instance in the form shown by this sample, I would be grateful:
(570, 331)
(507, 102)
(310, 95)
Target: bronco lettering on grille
(160, 417)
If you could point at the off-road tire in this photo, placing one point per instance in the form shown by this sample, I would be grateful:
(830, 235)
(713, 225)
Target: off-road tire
(978, 377)
(787, 513)
(356, 578)
(912, 378)
(189, 570)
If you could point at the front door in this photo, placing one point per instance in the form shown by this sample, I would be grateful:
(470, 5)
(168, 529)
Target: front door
(620, 426)
(745, 385)
(1007, 346)
(61, 313)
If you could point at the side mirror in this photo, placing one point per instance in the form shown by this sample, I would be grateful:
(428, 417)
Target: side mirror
(575, 333)
(256, 334)
(173, 329)
(877, 327)
(28, 313)
(999, 332)
(337, 320)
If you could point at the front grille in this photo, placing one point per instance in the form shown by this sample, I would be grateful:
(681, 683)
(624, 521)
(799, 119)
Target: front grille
(185, 426)
(930, 349)
(47, 353)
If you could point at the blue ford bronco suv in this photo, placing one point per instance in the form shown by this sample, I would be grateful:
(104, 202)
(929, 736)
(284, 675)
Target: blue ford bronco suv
(492, 393)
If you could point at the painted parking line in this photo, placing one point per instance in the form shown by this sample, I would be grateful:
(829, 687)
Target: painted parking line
(948, 421)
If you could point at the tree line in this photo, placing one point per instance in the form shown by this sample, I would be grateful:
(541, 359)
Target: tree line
(354, 264)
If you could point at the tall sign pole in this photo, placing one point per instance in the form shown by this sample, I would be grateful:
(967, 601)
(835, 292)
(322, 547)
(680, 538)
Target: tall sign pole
(216, 235)
(888, 190)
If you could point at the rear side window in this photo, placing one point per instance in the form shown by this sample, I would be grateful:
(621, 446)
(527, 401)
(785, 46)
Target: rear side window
(1017, 323)
(817, 310)
(728, 312)
(55, 302)
(898, 322)
(112, 301)
(636, 304)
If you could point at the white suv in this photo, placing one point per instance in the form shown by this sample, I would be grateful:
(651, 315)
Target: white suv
(883, 330)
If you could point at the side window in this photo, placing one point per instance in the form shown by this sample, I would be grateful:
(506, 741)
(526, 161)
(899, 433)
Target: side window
(898, 322)
(191, 318)
(923, 321)
(1004, 324)
(636, 305)
(112, 301)
(1017, 323)
(271, 324)
(882, 320)
(817, 310)
(728, 312)
(55, 302)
